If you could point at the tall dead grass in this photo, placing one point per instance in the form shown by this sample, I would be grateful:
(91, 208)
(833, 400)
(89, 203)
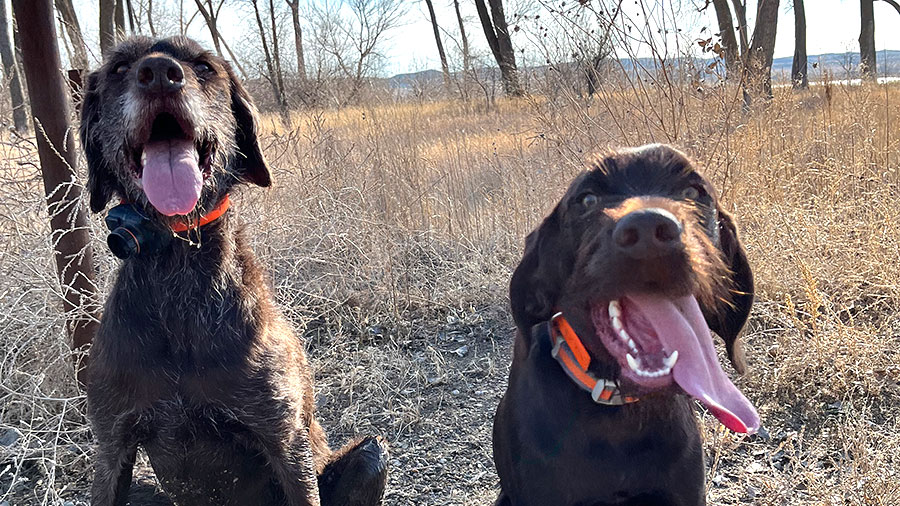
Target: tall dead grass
(390, 237)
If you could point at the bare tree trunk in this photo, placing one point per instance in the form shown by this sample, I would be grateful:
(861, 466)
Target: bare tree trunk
(497, 33)
(150, 18)
(73, 29)
(120, 20)
(466, 54)
(107, 25)
(209, 16)
(740, 10)
(726, 32)
(298, 37)
(11, 71)
(799, 76)
(270, 67)
(276, 56)
(867, 63)
(440, 46)
(759, 60)
(56, 150)
(130, 11)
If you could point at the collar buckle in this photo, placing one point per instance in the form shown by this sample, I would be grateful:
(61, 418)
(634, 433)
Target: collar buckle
(574, 359)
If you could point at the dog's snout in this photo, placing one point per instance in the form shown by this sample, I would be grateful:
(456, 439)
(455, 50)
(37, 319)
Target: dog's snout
(647, 233)
(160, 75)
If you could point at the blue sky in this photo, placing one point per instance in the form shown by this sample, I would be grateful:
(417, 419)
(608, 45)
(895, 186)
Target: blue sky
(832, 26)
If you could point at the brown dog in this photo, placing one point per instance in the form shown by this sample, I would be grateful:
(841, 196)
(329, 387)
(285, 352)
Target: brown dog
(193, 361)
(614, 300)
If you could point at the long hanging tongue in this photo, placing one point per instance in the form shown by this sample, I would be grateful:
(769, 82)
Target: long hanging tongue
(171, 176)
(679, 324)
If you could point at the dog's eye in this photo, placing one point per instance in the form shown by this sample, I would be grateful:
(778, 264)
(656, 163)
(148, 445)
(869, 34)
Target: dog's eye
(589, 200)
(121, 68)
(202, 68)
(692, 193)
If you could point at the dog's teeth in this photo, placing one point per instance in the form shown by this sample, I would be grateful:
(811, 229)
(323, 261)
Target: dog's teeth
(624, 335)
(143, 158)
(671, 359)
(617, 324)
(614, 309)
(633, 363)
(632, 345)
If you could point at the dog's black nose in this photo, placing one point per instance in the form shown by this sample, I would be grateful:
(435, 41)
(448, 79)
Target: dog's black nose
(160, 74)
(647, 233)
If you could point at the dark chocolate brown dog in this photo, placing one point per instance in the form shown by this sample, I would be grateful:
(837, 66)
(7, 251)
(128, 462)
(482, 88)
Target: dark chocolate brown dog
(614, 300)
(193, 361)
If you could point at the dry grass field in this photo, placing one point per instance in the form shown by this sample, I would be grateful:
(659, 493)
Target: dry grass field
(392, 232)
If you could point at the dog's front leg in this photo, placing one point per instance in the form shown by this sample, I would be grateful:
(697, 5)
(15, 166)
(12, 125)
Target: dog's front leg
(289, 454)
(113, 466)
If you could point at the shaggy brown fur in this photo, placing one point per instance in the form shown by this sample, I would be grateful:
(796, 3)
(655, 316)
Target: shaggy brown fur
(552, 443)
(193, 362)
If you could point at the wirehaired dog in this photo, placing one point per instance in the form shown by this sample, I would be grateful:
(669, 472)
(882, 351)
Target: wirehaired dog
(193, 361)
(614, 300)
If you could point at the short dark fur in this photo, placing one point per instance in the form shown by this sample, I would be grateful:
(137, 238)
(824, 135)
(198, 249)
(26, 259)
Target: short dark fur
(193, 361)
(552, 443)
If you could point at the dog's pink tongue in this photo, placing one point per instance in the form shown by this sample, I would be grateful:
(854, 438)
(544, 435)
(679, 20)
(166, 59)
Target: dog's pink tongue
(679, 324)
(171, 176)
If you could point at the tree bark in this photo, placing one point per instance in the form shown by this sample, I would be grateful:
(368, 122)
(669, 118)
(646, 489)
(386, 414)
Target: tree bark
(497, 33)
(11, 71)
(298, 37)
(270, 67)
(759, 61)
(729, 41)
(466, 54)
(56, 150)
(799, 76)
(107, 26)
(276, 56)
(73, 29)
(150, 18)
(440, 46)
(740, 10)
(209, 16)
(867, 64)
(120, 20)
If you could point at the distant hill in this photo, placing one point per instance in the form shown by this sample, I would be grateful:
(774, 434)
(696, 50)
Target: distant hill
(838, 66)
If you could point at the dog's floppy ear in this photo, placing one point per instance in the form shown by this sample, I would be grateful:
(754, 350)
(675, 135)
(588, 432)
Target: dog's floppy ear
(729, 316)
(539, 277)
(249, 161)
(101, 181)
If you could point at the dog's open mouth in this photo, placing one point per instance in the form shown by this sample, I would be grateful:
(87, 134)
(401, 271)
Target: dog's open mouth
(172, 166)
(658, 340)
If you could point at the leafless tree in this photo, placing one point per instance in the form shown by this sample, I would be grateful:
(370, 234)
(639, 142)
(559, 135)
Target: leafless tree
(754, 60)
(294, 5)
(867, 60)
(107, 25)
(272, 75)
(66, 11)
(56, 150)
(867, 65)
(440, 45)
(210, 14)
(464, 48)
(498, 37)
(350, 39)
(799, 75)
(11, 71)
(120, 20)
(762, 46)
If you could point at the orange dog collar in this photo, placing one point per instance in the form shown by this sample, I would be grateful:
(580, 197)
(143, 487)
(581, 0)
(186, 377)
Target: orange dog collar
(574, 359)
(216, 213)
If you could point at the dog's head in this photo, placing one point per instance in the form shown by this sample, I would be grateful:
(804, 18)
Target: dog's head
(643, 262)
(167, 125)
